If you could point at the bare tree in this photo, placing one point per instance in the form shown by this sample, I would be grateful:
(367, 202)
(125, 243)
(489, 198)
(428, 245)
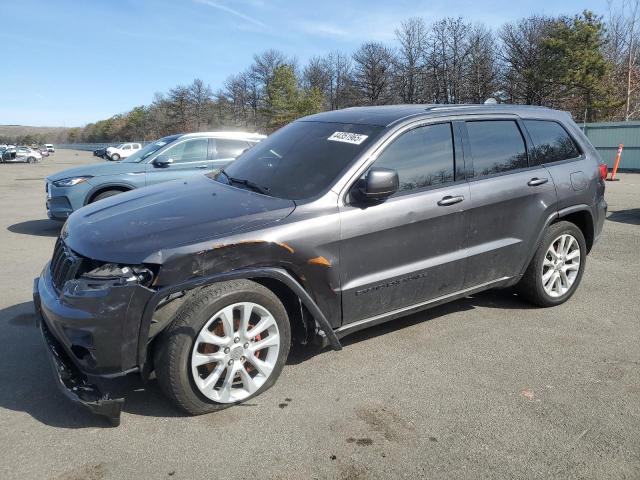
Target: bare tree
(200, 97)
(265, 64)
(621, 49)
(342, 87)
(332, 75)
(158, 117)
(237, 97)
(525, 65)
(317, 74)
(446, 57)
(481, 69)
(221, 109)
(179, 108)
(412, 37)
(373, 73)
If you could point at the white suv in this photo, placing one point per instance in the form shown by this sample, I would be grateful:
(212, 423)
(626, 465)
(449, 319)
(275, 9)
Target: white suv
(122, 151)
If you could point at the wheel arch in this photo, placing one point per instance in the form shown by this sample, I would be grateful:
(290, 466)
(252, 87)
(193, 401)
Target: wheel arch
(301, 320)
(282, 283)
(581, 217)
(94, 192)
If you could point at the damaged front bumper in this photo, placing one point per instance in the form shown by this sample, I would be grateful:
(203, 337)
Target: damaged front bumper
(91, 338)
(74, 385)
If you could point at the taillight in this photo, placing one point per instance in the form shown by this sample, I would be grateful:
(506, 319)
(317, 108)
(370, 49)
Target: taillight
(604, 170)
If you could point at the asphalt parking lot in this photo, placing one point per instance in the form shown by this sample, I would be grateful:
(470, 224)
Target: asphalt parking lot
(484, 387)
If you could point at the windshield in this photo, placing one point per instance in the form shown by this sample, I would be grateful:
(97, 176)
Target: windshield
(149, 149)
(300, 160)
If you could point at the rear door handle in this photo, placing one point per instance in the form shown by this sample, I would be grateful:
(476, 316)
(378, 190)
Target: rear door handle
(202, 166)
(449, 200)
(534, 182)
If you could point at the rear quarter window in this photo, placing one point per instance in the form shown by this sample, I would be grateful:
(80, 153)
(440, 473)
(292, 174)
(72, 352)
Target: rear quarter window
(230, 148)
(551, 142)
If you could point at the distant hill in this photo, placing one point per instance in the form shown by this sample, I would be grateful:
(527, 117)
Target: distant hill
(26, 134)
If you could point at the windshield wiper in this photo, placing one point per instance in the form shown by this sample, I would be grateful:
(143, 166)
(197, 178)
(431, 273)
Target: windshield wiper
(247, 183)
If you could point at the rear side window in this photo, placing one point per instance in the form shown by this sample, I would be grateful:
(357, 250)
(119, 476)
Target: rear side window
(496, 146)
(192, 150)
(551, 142)
(230, 148)
(423, 157)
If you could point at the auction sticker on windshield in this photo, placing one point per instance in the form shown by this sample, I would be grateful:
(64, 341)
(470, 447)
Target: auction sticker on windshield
(347, 137)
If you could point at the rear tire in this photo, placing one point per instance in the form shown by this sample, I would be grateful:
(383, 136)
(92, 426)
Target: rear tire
(107, 194)
(203, 366)
(31, 160)
(557, 267)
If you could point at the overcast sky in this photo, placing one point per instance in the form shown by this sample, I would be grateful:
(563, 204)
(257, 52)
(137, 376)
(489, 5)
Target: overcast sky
(67, 63)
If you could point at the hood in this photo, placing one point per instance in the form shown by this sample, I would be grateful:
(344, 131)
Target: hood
(98, 169)
(129, 227)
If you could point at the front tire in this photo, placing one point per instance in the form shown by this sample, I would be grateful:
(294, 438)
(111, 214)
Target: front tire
(105, 194)
(115, 157)
(557, 267)
(227, 344)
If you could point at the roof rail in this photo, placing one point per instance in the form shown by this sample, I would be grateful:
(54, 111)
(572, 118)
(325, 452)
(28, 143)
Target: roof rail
(459, 106)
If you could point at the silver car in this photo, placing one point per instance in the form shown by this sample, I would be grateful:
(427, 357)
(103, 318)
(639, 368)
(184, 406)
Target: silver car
(21, 154)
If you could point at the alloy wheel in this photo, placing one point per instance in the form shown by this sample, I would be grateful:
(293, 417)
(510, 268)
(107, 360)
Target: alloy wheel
(235, 352)
(561, 265)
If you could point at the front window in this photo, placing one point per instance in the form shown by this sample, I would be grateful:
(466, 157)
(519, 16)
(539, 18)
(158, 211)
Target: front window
(302, 159)
(150, 149)
(423, 157)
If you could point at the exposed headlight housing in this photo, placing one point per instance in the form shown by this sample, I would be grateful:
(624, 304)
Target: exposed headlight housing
(71, 181)
(121, 274)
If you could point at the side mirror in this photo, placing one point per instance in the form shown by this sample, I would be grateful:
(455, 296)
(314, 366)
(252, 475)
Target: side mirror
(162, 161)
(379, 184)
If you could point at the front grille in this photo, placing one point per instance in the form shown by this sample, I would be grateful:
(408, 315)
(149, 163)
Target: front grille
(65, 265)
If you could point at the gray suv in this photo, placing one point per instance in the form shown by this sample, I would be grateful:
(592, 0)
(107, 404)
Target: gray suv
(169, 158)
(337, 222)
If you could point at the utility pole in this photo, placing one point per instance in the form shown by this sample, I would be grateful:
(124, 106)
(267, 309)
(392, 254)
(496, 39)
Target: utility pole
(631, 58)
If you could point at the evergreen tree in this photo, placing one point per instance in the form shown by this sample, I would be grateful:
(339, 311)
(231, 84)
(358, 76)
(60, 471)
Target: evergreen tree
(285, 101)
(578, 66)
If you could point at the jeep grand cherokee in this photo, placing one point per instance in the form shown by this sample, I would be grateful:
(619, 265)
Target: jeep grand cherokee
(337, 222)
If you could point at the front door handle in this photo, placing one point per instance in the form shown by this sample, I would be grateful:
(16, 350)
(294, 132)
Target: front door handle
(449, 200)
(202, 166)
(534, 182)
